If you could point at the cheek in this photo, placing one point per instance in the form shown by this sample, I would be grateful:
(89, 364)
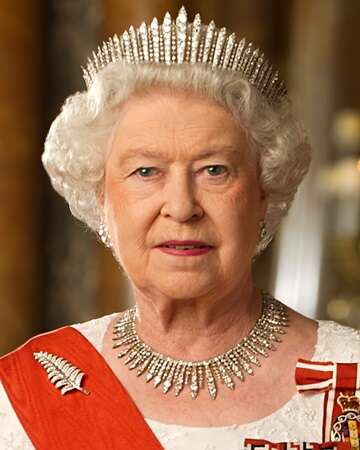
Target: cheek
(238, 223)
(130, 218)
(241, 203)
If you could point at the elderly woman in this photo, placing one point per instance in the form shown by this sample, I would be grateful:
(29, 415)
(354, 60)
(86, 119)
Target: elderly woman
(183, 155)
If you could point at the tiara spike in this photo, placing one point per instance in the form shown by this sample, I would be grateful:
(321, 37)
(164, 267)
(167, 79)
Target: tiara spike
(127, 47)
(161, 44)
(100, 58)
(218, 47)
(238, 54)
(117, 47)
(154, 27)
(134, 44)
(86, 76)
(228, 50)
(258, 64)
(181, 27)
(105, 52)
(262, 72)
(110, 45)
(210, 29)
(144, 41)
(177, 41)
(139, 43)
(249, 68)
(267, 79)
(91, 68)
(195, 38)
(245, 57)
(96, 61)
(166, 29)
(173, 43)
(272, 86)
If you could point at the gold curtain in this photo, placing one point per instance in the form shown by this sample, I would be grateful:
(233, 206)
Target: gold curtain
(20, 176)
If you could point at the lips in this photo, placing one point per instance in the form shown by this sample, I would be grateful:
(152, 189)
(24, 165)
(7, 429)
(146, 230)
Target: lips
(174, 243)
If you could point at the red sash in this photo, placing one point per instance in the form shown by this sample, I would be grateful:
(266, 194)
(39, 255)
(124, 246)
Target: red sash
(107, 418)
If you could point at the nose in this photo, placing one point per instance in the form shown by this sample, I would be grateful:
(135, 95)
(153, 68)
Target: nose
(180, 201)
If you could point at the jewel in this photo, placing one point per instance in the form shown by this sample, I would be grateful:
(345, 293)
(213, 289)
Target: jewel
(238, 54)
(61, 372)
(143, 366)
(195, 38)
(134, 44)
(166, 27)
(210, 382)
(149, 376)
(176, 42)
(208, 41)
(127, 47)
(229, 48)
(157, 380)
(180, 381)
(123, 353)
(194, 386)
(167, 385)
(218, 47)
(181, 22)
(144, 41)
(236, 362)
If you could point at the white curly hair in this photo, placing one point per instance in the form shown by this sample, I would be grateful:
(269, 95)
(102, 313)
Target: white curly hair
(74, 155)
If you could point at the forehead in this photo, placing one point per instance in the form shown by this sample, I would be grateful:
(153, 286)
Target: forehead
(174, 121)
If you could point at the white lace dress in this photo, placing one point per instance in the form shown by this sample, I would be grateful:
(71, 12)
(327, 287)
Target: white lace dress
(300, 419)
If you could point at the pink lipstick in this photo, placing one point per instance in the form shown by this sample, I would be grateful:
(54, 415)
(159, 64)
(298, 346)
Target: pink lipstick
(184, 248)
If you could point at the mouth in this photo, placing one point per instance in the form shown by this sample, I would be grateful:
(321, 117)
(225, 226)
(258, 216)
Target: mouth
(184, 248)
(184, 245)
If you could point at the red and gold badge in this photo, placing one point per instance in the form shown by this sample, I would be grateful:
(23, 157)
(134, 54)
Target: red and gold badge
(346, 426)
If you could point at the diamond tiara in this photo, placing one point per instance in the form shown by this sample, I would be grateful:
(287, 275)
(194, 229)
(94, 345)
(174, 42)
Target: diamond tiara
(177, 42)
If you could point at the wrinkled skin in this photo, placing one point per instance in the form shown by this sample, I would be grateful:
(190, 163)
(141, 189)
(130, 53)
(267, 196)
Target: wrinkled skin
(192, 308)
(216, 199)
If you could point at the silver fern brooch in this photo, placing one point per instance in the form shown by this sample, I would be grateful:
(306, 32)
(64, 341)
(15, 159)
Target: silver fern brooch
(62, 374)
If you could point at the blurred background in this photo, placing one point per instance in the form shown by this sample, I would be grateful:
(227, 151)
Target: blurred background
(54, 272)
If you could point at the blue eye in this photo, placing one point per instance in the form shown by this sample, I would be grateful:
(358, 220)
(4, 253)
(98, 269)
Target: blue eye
(143, 171)
(215, 172)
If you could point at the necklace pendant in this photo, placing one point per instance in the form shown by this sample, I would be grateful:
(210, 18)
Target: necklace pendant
(194, 386)
(211, 384)
(180, 381)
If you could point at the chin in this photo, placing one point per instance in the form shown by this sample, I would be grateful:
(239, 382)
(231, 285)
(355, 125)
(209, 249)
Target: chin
(185, 285)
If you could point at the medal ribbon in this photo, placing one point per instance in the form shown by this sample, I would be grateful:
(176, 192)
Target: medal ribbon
(331, 378)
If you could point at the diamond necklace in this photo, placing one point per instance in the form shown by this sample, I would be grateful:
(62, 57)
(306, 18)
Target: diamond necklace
(222, 368)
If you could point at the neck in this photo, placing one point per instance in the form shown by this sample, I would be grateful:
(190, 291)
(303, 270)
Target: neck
(196, 329)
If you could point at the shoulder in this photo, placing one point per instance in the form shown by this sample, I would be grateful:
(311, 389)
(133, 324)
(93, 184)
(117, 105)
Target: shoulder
(337, 342)
(94, 330)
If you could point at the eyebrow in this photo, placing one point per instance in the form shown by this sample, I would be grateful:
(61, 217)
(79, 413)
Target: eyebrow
(228, 151)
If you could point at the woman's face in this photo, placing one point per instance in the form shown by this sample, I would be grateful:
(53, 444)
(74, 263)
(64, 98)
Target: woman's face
(179, 168)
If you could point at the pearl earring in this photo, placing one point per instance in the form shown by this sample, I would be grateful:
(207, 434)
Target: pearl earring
(105, 235)
(263, 229)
